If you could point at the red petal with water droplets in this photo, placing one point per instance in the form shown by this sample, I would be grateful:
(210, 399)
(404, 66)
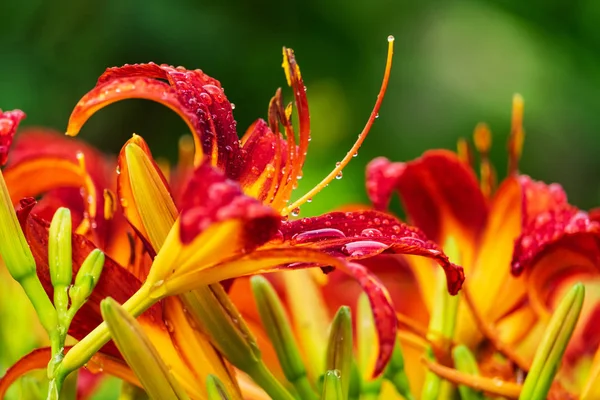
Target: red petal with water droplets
(549, 222)
(211, 198)
(364, 234)
(196, 97)
(115, 281)
(9, 121)
(435, 188)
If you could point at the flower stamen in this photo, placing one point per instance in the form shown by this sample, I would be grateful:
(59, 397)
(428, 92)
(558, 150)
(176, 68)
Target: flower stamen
(517, 135)
(342, 164)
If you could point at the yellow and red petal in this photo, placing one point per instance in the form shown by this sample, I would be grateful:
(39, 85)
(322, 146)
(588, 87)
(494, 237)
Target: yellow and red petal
(144, 194)
(210, 198)
(365, 234)
(115, 281)
(438, 192)
(9, 121)
(196, 97)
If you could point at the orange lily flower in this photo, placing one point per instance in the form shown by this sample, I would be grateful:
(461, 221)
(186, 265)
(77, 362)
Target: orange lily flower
(521, 244)
(222, 214)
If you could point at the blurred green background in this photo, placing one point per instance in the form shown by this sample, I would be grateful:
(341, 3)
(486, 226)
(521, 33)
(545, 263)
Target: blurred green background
(456, 63)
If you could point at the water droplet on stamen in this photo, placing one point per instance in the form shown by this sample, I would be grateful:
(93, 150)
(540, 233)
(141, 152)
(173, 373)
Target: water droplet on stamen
(339, 175)
(296, 212)
(232, 106)
(309, 200)
(390, 38)
(377, 116)
(355, 154)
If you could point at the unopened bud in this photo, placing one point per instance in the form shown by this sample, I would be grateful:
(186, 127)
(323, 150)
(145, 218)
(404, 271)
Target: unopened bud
(549, 354)
(140, 354)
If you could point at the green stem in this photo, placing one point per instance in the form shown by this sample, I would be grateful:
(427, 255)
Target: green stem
(265, 379)
(304, 388)
(83, 351)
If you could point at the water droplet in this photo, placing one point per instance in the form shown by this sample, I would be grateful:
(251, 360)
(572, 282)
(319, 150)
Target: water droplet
(255, 170)
(339, 175)
(355, 154)
(270, 170)
(296, 212)
(371, 232)
(118, 170)
(390, 38)
(318, 235)
(169, 326)
(232, 106)
(377, 116)
(309, 200)
(362, 248)
(159, 283)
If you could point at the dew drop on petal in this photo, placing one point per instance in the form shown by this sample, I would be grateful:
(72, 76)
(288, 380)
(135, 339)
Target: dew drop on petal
(270, 170)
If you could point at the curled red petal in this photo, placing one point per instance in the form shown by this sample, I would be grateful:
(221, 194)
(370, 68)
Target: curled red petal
(115, 281)
(9, 121)
(196, 97)
(435, 189)
(384, 313)
(364, 234)
(210, 198)
(548, 222)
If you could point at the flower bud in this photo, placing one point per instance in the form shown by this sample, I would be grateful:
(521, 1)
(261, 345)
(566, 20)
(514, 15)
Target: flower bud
(139, 353)
(549, 354)
(86, 279)
(278, 329)
(21, 265)
(339, 349)
(60, 262)
(215, 315)
(332, 386)
(13, 246)
(59, 248)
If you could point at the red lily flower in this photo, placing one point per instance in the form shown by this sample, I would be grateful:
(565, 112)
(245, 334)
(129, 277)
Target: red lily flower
(524, 227)
(230, 218)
